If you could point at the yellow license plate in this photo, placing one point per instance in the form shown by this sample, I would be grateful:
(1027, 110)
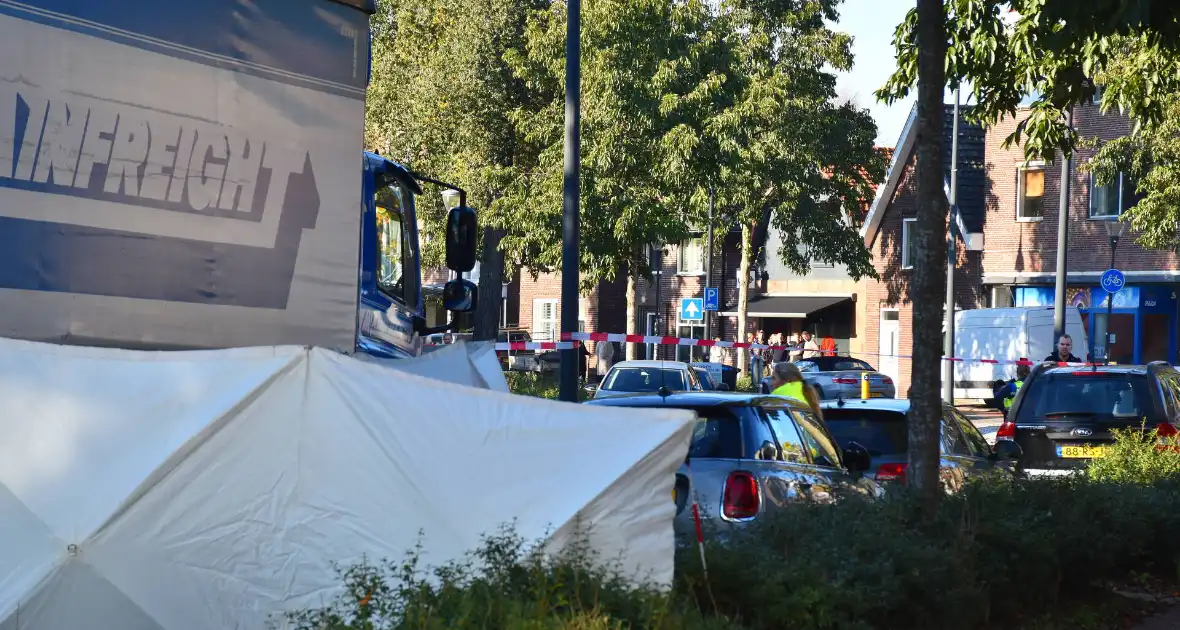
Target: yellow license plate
(1077, 452)
(876, 395)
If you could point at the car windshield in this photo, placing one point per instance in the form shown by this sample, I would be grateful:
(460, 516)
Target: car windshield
(1086, 392)
(705, 378)
(644, 379)
(840, 364)
(881, 432)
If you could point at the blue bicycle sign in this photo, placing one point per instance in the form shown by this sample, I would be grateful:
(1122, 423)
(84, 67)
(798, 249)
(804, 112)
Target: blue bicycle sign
(1113, 280)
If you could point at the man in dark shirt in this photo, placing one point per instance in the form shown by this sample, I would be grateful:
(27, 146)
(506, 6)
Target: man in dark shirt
(1064, 351)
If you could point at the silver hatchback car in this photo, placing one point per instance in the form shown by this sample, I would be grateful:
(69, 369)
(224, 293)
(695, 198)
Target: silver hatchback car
(751, 455)
(648, 377)
(840, 377)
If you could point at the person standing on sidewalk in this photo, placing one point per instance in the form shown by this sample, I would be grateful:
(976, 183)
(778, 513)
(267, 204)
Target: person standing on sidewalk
(1063, 353)
(810, 347)
(755, 360)
(1008, 393)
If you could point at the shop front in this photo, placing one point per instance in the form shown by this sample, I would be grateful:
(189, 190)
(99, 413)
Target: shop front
(1142, 320)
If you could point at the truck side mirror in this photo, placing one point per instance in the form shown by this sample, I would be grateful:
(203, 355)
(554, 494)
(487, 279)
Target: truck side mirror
(460, 296)
(462, 237)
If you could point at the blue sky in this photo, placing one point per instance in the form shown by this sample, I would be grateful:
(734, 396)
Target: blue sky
(871, 23)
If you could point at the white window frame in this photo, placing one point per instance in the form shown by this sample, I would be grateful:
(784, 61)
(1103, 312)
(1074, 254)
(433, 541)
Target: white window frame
(695, 330)
(681, 268)
(906, 228)
(1121, 184)
(546, 329)
(1035, 165)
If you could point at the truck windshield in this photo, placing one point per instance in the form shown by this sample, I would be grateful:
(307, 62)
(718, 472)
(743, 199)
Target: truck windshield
(396, 275)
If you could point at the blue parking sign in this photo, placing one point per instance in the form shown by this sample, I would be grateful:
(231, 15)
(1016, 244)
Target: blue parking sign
(711, 299)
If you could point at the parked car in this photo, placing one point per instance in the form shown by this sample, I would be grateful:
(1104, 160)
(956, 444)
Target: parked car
(839, 377)
(648, 377)
(881, 426)
(523, 360)
(1063, 416)
(751, 455)
(708, 383)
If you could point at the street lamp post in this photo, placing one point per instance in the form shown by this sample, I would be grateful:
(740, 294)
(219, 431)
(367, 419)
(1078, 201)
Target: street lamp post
(571, 192)
(1114, 230)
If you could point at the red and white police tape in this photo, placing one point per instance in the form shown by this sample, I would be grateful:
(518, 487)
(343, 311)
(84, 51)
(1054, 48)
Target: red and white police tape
(571, 340)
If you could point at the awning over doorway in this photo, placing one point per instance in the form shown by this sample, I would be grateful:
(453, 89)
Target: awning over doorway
(793, 306)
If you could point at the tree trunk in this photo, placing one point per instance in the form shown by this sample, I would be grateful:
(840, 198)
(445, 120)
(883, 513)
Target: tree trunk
(632, 349)
(491, 285)
(743, 355)
(929, 274)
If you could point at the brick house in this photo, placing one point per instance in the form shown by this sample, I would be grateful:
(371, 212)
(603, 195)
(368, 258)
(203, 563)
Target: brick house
(678, 273)
(1019, 264)
(888, 308)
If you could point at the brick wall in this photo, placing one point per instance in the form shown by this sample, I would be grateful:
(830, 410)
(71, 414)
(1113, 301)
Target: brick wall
(1019, 246)
(892, 290)
(604, 309)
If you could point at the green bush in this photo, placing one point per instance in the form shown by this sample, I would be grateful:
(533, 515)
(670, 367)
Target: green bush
(1138, 456)
(998, 552)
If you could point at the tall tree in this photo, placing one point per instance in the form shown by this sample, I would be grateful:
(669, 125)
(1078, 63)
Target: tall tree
(633, 58)
(440, 101)
(765, 128)
(930, 256)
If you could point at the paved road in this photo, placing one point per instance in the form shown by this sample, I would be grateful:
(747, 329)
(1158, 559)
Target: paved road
(987, 420)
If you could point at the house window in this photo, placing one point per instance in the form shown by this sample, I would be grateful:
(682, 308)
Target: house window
(655, 258)
(691, 330)
(691, 256)
(545, 320)
(1030, 194)
(908, 242)
(1113, 199)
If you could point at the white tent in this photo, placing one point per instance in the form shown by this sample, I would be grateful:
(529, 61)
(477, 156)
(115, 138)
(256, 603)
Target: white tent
(472, 364)
(201, 490)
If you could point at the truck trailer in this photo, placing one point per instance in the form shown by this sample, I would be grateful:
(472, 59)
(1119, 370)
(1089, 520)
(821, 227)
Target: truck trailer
(192, 175)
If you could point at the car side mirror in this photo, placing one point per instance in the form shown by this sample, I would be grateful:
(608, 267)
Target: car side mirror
(857, 458)
(460, 296)
(462, 238)
(1007, 450)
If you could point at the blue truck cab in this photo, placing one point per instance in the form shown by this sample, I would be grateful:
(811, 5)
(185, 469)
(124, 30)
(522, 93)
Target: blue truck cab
(392, 315)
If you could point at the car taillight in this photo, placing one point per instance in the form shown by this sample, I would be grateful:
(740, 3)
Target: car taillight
(886, 380)
(842, 380)
(741, 496)
(1007, 431)
(1166, 430)
(891, 472)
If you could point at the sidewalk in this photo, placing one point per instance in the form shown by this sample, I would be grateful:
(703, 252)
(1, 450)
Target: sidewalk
(986, 419)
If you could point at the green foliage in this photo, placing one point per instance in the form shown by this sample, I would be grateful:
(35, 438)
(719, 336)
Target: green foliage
(538, 384)
(506, 584)
(1138, 456)
(441, 97)
(676, 97)
(1052, 50)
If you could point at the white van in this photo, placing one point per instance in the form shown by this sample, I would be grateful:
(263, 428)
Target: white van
(1006, 334)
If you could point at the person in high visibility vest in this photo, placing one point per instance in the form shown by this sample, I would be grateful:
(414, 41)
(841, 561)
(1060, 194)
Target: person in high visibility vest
(787, 381)
(1008, 393)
